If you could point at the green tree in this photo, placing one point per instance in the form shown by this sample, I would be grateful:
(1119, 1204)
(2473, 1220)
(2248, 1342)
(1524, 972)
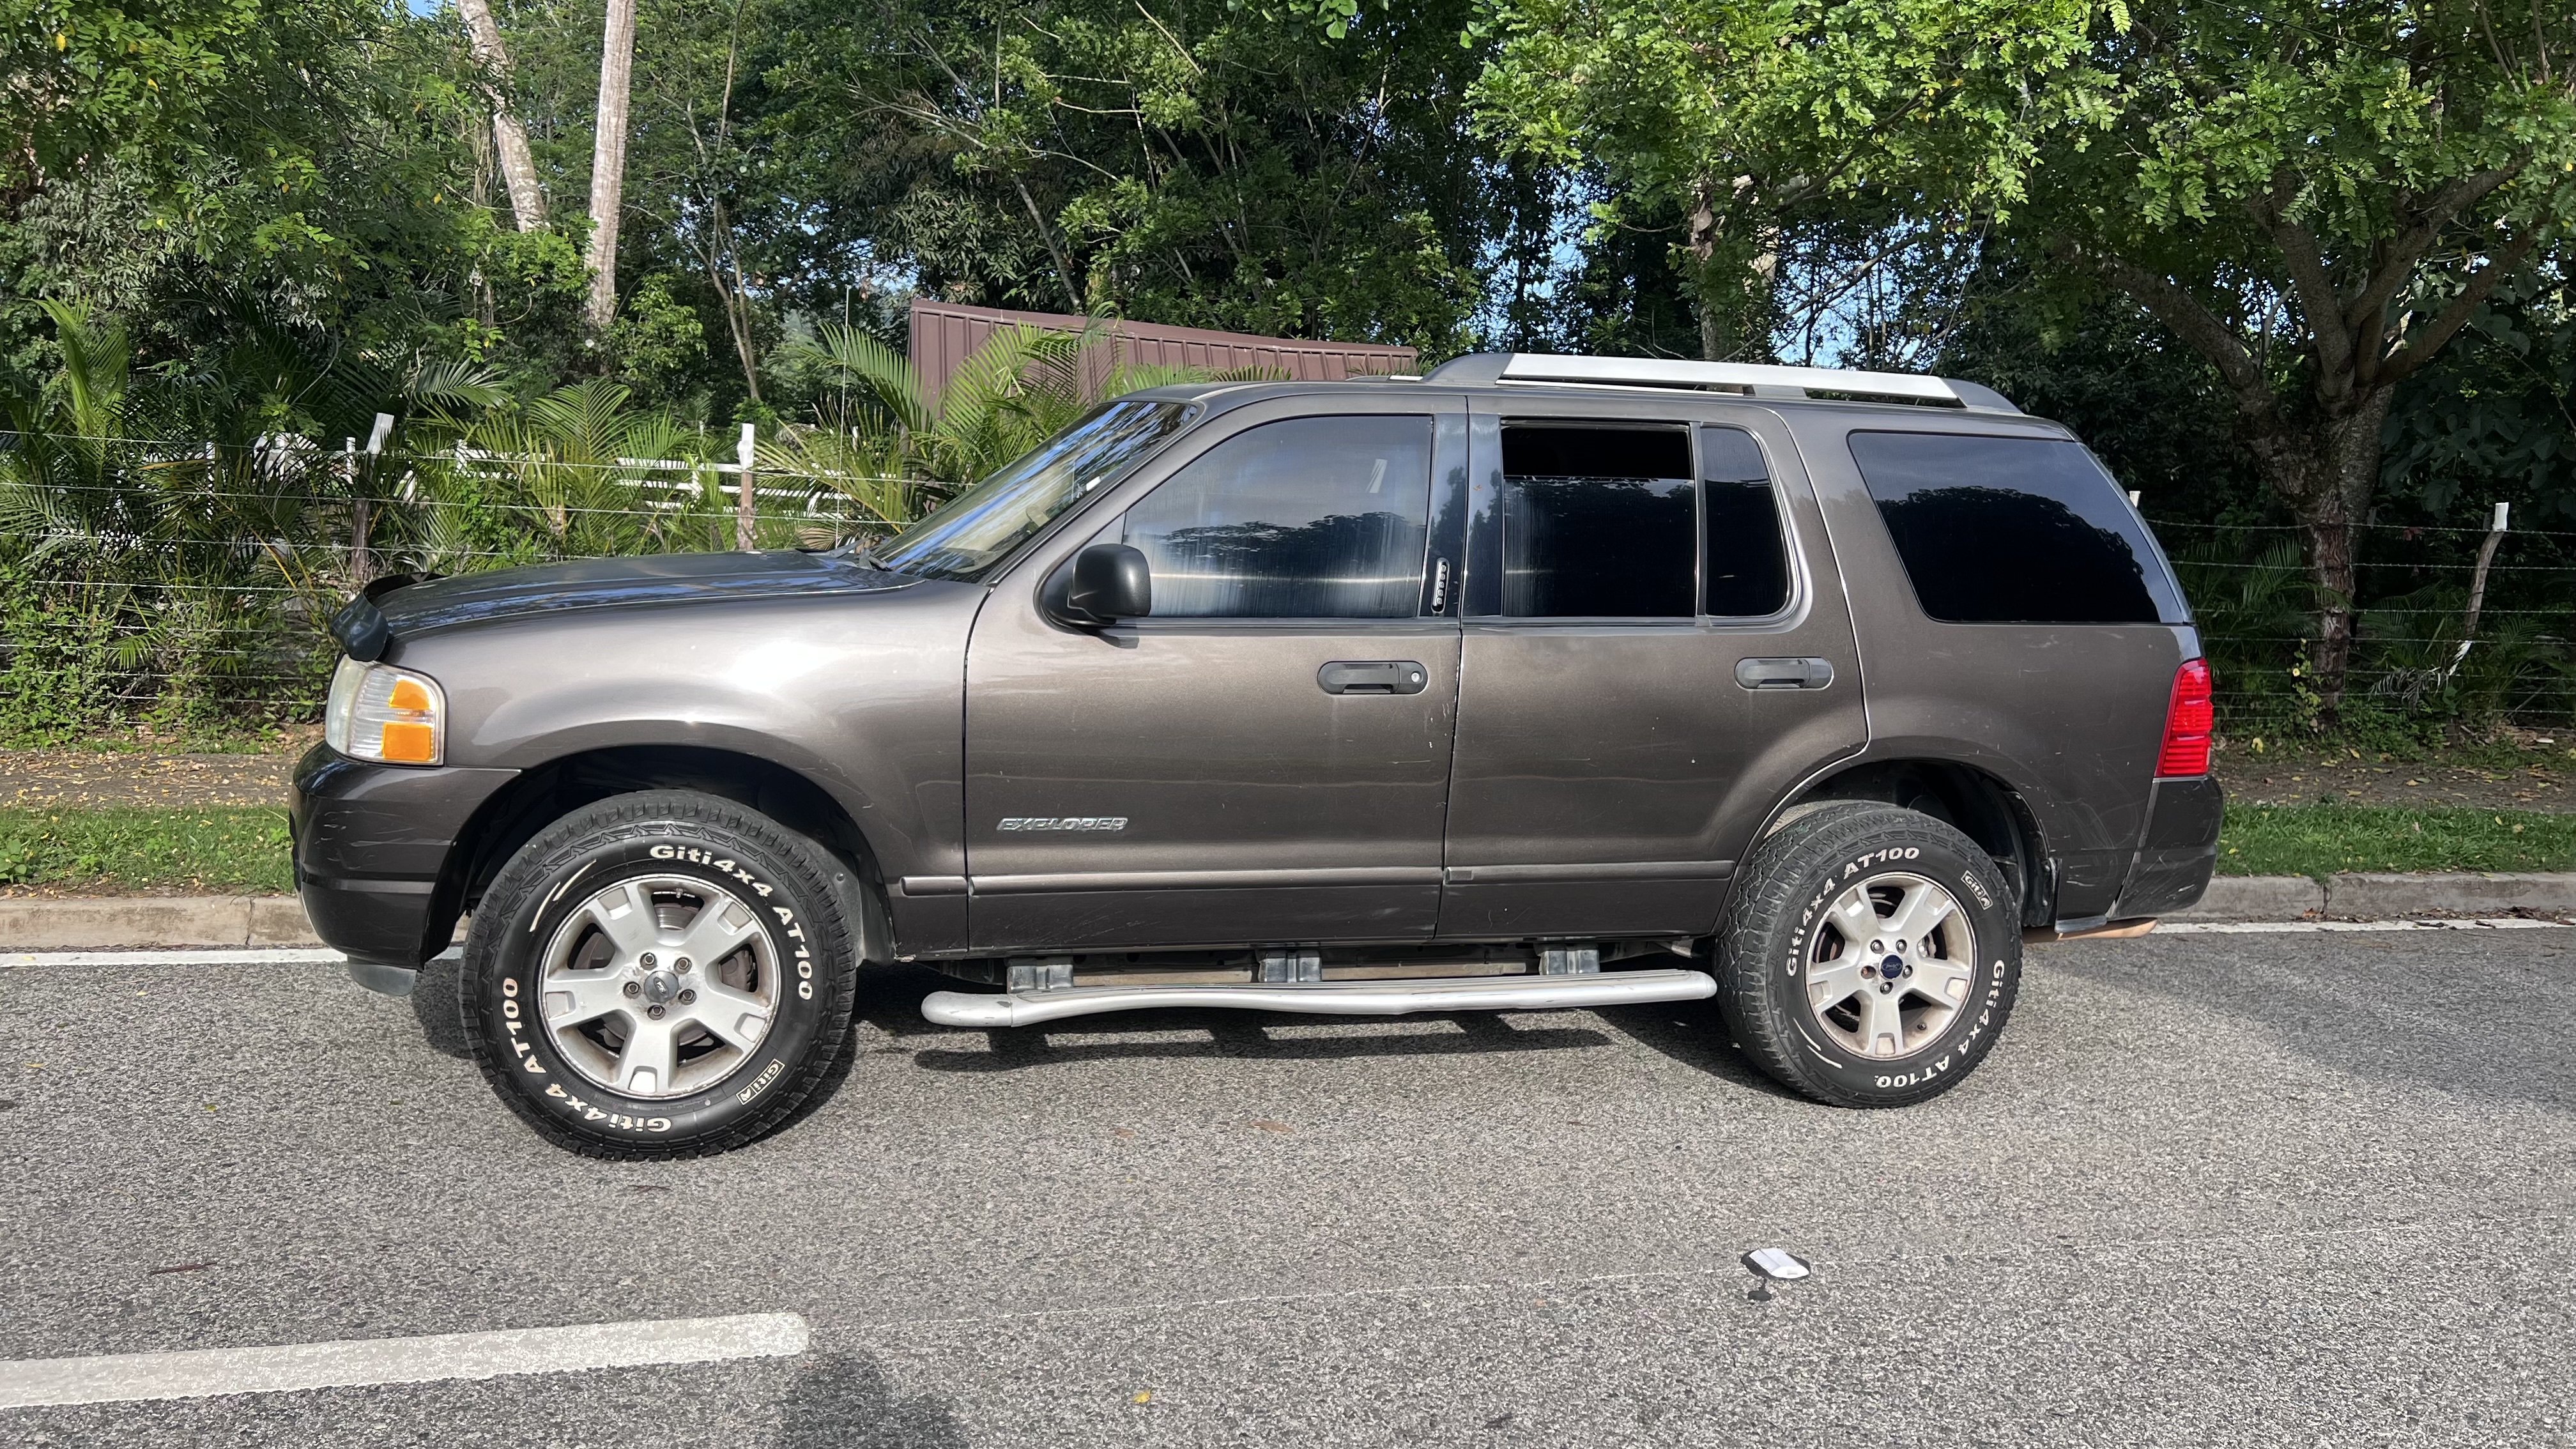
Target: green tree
(306, 167)
(1201, 162)
(2313, 197)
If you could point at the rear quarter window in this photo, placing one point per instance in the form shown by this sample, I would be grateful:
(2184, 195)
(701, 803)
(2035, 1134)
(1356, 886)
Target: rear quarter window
(2024, 530)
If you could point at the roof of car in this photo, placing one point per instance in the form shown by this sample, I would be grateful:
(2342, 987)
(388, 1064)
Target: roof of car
(1578, 376)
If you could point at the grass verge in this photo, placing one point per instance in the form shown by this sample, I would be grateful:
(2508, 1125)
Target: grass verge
(2319, 840)
(226, 850)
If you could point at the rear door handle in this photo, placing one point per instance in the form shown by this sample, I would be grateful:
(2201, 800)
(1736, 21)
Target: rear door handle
(1784, 673)
(1373, 676)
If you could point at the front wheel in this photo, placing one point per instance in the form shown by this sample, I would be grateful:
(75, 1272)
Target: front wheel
(662, 974)
(1870, 957)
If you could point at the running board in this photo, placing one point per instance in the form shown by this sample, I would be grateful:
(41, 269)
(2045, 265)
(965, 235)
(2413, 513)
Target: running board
(1328, 998)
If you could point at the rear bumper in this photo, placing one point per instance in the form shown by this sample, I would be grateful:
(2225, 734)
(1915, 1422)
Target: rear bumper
(372, 845)
(2180, 851)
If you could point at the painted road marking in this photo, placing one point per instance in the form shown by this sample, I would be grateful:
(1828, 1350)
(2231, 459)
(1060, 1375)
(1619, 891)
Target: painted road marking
(203, 1373)
(198, 956)
(211, 956)
(2250, 928)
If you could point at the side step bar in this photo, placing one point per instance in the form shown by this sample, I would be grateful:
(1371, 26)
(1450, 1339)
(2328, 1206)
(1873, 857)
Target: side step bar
(1328, 998)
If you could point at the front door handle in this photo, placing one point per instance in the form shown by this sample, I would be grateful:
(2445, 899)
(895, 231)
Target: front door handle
(1784, 673)
(1373, 676)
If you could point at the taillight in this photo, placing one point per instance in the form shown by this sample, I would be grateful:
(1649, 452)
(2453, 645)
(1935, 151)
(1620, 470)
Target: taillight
(2188, 720)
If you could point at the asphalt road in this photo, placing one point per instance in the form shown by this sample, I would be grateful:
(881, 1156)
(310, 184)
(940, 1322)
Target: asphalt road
(2276, 1190)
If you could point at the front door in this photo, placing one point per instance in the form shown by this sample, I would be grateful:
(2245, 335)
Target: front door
(1656, 651)
(1266, 757)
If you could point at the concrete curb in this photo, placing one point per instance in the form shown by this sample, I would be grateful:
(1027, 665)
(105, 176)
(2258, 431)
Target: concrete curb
(2366, 896)
(2258, 898)
(86, 923)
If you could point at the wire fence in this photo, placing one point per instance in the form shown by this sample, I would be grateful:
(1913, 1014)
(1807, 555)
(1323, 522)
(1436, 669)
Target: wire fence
(189, 583)
(2452, 624)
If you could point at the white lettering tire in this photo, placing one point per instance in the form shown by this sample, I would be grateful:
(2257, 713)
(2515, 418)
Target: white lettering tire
(589, 929)
(1870, 956)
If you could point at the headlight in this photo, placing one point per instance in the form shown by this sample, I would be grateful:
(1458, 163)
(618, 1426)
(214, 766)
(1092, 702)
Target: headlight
(378, 712)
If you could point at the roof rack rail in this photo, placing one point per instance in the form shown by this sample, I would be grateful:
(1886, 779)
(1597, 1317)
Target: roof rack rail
(1758, 380)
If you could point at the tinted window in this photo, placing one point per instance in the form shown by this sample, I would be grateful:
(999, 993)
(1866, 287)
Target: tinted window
(1315, 518)
(1597, 523)
(972, 531)
(1745, 568)
(2014, 531)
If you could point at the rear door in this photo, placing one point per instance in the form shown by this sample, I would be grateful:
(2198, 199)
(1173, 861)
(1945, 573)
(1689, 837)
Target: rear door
(1266, 757)
(1656, 650)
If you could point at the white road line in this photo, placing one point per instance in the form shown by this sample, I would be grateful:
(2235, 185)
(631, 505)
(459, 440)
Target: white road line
(2251, 928)
(202, 956)
(197, 1374)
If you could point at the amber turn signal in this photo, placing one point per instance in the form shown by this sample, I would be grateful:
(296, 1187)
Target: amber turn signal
(410, 744)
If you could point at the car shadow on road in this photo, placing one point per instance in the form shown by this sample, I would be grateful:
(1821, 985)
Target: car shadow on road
(1692, 1033)
(441, 1012)
(1695, 1034)
(843, 1400)
(1242, 1036)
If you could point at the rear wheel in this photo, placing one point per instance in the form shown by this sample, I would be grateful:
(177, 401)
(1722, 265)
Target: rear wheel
(662, 974)
(1870, 957)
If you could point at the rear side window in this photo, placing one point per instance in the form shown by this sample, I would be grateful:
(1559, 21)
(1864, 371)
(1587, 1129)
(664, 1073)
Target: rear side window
(1597, 523)
(2014, 531)
(1313, 518)
(1746, 564)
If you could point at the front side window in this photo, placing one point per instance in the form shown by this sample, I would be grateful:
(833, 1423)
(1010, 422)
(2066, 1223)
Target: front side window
(2023, 530)
(974, 530)
(1312, 518)
(1597, 523)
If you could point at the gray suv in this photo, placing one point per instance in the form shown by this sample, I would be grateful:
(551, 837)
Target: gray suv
(1535, 682)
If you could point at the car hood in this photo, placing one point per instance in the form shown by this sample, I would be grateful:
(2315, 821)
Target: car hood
(613, 583)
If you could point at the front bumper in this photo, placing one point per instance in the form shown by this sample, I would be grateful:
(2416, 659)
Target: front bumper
(373, 844)
(2180, 851)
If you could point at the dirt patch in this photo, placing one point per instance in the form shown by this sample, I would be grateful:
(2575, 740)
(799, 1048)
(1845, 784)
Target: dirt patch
(39, 779)
(2537, 779)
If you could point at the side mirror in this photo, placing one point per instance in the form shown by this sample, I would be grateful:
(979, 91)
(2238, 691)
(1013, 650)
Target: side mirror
(1110, 582)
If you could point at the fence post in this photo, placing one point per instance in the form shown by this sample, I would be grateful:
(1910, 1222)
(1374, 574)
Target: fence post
(2478, 578)
(360, 564)
(743, 505)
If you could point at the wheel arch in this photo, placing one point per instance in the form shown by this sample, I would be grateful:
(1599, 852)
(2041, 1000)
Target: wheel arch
(1982, 805)
(548, 791)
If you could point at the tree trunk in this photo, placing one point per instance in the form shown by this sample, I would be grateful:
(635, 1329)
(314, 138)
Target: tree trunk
(518, 168)
(2327, 469)
(608, 163)
(1734, 283)
(721, 258)
(1714, 344)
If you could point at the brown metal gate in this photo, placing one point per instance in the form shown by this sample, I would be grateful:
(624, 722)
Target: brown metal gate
(944, 333)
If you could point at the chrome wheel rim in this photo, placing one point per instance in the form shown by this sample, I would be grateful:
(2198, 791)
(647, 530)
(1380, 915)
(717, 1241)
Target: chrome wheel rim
(659, 986)
(1892, 965)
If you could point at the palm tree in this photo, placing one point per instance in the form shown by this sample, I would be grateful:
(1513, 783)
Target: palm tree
(1021, 387)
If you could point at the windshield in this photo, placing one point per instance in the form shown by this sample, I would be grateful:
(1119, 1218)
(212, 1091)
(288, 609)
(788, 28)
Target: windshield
(969, 533)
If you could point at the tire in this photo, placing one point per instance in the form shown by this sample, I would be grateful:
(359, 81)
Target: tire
(1794, 938)
(561, 973)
